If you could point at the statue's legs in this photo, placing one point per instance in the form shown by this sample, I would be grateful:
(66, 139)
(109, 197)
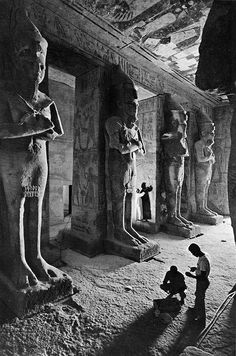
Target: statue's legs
(15, 263)
(128, 219)
(202, 186)
(36, 171)
(201, 199)
(118, 197)
(206, 198)
(232, 175)
(172, 193)
(179, 194)
(33, 219)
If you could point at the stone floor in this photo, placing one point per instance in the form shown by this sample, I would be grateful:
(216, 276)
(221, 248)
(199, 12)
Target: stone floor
(111, 313)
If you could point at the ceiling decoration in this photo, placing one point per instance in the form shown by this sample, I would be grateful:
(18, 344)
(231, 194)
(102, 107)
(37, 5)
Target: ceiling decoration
(171, 29)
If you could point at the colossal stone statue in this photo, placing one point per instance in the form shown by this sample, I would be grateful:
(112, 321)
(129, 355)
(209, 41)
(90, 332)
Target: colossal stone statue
(175, 150)
(28, 118)
(124, 141)
(204, 160)
(217, 71)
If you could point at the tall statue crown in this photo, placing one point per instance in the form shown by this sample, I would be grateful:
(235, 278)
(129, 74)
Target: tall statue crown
(22, 28)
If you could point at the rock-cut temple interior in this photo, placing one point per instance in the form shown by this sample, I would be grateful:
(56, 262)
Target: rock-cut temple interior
(117, 177)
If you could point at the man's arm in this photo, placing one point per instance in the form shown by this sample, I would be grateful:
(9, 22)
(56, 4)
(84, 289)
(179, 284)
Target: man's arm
(200, 276)
(166, 279)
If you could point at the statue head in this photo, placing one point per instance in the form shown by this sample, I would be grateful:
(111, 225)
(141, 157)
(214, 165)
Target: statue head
(29, 49)
(207, 133)
(123, 96)
(175, 128)
(206, 129)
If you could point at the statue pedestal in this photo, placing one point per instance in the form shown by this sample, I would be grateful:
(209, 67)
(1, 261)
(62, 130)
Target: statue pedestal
(22, 301)
(206, 219)
(145, 226)
(182, 231)
(140, 253)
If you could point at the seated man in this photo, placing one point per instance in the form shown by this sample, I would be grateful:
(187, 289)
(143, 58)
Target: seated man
(174, 283)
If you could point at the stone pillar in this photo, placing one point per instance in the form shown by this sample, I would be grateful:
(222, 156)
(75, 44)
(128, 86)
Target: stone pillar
(88, 224)
(218, 191)
(232, 167)
(150, 114)
(61, 88)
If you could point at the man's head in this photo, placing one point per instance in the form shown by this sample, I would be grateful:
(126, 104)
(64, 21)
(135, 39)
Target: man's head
(173, 269)
(208, 137)
(143, 185)
(195, 250)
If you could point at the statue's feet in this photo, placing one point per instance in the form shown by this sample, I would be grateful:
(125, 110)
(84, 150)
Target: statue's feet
(43, 270)
(204, 211)
(174, 220)
(185, 221)
(22, 276)
(136, 235)
(211, 211)
(125, 237)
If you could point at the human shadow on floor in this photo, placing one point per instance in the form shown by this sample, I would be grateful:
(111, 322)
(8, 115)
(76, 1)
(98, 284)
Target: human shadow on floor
(189, 334)
(138, 338)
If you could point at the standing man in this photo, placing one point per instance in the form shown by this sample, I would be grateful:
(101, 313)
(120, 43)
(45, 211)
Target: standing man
(202, 272)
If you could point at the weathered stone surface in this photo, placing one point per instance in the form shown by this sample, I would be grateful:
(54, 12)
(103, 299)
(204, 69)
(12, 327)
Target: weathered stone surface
(150, 116)
(146, 226)
(205, 219)
(80, 242)
(141, 253)
(182, 231)
(22, 301)
(28, 118)
(194, 351)
(218, 193)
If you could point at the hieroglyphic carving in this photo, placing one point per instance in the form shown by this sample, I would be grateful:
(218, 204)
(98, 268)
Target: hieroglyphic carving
(83, 41)
(85, 181)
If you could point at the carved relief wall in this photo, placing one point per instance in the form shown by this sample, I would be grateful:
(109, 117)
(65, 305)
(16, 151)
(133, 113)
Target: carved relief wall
(88, 194)
(62, 90)
(148, 166)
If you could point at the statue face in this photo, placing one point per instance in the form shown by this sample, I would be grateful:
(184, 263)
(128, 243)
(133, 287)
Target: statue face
(210, 139)
(30, 60)
(130, 109)
(130, 105)
(175, 140)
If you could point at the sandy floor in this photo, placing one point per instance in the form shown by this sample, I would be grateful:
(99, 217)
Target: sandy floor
(112, 313)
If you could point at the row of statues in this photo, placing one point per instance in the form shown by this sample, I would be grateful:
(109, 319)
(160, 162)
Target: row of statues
(29, 118)
(175, 147)
(124, 141)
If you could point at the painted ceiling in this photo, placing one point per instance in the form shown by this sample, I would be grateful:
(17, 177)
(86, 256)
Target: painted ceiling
(171, 29)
